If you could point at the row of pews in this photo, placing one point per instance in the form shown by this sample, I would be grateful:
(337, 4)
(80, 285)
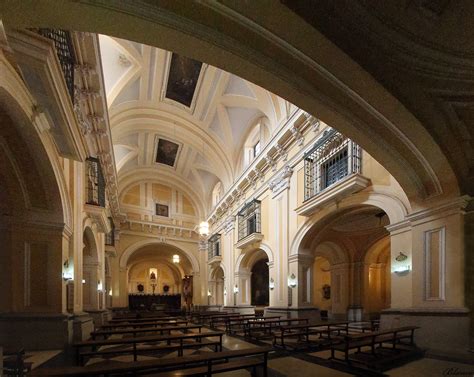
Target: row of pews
(351, 343)
(152, 336)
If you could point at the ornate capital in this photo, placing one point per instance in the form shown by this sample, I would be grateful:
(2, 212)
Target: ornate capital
(282, 182)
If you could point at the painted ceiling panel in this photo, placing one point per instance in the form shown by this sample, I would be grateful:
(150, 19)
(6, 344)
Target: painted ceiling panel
(182, 79)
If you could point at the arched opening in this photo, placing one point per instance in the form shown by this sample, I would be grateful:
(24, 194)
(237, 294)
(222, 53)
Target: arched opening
(351, 265)
(259, 289)
(158, 277)
(216, 287)
(91, 283)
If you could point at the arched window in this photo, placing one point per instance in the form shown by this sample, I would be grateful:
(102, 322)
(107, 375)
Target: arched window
(217, 193)
(256, 140)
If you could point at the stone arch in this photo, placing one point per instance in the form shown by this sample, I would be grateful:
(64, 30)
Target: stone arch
(395, 208)
(249, 257)
(128, 252)
(368, 113)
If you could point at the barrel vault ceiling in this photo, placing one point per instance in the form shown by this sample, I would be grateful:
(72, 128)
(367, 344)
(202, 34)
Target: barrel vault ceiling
(194, 118)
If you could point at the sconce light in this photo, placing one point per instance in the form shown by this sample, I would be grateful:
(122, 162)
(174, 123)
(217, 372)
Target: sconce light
(204, 228)
(83, 281)
(271, 285)
(236, 289)
(67, 274)
(99, 286)
(176, 258)
(225, 291)
(110, 292)
(209, 293)
(292, 281)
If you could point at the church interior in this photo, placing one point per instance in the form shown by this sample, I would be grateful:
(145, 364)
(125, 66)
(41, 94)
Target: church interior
(278, 188)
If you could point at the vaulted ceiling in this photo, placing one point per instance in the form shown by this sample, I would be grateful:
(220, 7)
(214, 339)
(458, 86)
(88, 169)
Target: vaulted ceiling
(205, 112)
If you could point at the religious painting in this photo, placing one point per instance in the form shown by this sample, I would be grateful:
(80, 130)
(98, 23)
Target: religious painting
(182, 79)
(166, 152)
(162, 210)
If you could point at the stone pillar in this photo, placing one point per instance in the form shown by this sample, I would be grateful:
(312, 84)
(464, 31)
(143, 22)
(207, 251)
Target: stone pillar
(431, 292)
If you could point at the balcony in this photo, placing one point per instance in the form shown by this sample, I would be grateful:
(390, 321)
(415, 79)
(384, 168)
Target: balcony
(214, 249)
(249, 225)
(332, 171)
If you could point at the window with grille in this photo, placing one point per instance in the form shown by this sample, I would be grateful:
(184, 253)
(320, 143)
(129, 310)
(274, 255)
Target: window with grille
(65, 52)
(249, 219)
(332, 158)
(214, 246)
(110, 237)
(95, 182)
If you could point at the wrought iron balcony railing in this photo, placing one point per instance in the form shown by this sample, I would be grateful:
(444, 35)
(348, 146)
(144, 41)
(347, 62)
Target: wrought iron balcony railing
(65, 52)
(332, 158)
(214, 246)
(249, 219)
(95, 182)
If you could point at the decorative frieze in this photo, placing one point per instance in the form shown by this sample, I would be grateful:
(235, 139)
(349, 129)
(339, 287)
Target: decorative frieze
(298, 136)
(271, 162)
(282, 182)
(282, 153)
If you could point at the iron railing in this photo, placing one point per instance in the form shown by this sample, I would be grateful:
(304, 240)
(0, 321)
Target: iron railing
(110, 237)
(65, 52)
(249, 219)
(214, 246)
(95, 182)
(332, 158)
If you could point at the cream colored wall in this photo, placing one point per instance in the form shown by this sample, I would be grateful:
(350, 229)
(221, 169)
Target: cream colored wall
(321, 277)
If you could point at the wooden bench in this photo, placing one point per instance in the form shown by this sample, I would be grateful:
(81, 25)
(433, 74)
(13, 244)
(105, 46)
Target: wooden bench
(264, 327)
(324, 329)
(240, 323)
(373, 338)
(143, 324)
(176, 338)
(194, 365)
(215, 320)
(146, 319)
(141, 330)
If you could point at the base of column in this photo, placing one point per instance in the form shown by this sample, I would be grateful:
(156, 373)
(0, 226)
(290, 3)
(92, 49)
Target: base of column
(355, 313)
(241, 309)
(83, 326)
(36, 331)
(100, 317)
(310, 312)
(444, 332)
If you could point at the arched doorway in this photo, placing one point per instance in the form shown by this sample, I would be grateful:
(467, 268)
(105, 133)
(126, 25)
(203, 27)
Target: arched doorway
(91, 283)
(216, 287)
(158, 275)
(351, 251)
(259, 289)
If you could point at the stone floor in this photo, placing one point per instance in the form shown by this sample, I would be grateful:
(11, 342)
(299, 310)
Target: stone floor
(300, 364)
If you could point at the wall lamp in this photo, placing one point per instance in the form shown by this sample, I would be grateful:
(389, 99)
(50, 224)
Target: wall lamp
(271, 284)
(292, 282)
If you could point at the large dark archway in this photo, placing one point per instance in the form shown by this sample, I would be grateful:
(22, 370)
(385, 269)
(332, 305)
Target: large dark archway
(259, 290)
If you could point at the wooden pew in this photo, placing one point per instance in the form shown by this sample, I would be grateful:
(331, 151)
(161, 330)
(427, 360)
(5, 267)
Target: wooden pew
(143, 324)
(146, 319)
(175, 338)
(194, 365)
(232, 323)
(135, 331)
(373, 338)
(324, 329)
(264, 327)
